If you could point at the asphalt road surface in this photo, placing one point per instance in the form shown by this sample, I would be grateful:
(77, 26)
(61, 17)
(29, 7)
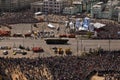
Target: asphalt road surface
(76, 46)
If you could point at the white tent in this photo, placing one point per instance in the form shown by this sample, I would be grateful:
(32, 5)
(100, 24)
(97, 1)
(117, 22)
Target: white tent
(98, 25)
(51, 26)
(82, 29)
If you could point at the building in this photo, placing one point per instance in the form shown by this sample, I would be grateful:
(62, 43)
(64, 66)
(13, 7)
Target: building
(110, 10)
(116, 12)
(87, 4)
(78, 4)
(49, 6)
(96, 10)
(70, 10)
(37, 6)
(54, 6)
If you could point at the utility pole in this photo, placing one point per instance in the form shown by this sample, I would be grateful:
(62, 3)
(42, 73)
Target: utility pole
(71, 2)
(110, 9)
(91, 9)
(81, 43)
(77, 45)
(109, 42)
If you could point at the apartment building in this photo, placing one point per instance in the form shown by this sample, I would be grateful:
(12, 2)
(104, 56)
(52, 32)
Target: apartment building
(115, 14)
(49, 6)
(110, 10)
(78, 4)
(96, 10)
(54, 6)
(37, 6)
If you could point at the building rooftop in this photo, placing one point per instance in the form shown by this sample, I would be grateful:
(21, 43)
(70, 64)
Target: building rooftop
(69, 7)
(37, 3)
(99, 3)
(117, 7)
(45, 0)
(97, 6)
(106, 12)
(115, 2)
(56, 0)
(59, 0)
(77, 2)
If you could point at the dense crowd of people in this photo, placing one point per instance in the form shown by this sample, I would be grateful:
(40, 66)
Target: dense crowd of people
(111, 30)
(56, 18)
(17, 17)
(61, 68)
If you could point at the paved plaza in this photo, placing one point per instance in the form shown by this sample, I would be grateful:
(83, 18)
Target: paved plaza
(75, 44)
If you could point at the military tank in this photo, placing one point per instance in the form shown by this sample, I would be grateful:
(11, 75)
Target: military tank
(56, 40)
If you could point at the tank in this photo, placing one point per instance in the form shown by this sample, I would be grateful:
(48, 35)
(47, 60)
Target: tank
(56, 41)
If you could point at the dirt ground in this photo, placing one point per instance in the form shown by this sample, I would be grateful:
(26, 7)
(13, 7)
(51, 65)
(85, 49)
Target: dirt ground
(97, 78)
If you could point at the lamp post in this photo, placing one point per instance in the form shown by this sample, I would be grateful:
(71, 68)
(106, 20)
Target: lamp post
(109, 42)
(77, 45)
(81, 43)
(31, 28)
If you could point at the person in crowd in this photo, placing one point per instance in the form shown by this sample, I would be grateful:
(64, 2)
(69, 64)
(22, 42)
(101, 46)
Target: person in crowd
(62, 67)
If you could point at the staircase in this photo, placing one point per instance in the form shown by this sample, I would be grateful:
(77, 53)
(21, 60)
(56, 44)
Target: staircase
(45, 72)
(47, 49)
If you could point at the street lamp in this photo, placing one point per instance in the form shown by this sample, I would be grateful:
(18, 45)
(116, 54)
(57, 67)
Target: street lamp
(77, 45)
(81, 45)
(109, 42)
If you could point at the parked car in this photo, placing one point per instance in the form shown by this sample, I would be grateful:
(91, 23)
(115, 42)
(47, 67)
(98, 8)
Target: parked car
(5, 52)
(21, 47)
(71, 36)
(17, 35)
(55, 49)
(5, 47)
(27, 35)
(60, 51)
(18, 51)
(37, 49)
(23, 53)
(28, 49)
(14, 53)
(68, 51)
(62, 35)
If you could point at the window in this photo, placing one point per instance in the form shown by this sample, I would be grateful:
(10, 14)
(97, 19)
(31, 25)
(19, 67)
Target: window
(38, 9)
